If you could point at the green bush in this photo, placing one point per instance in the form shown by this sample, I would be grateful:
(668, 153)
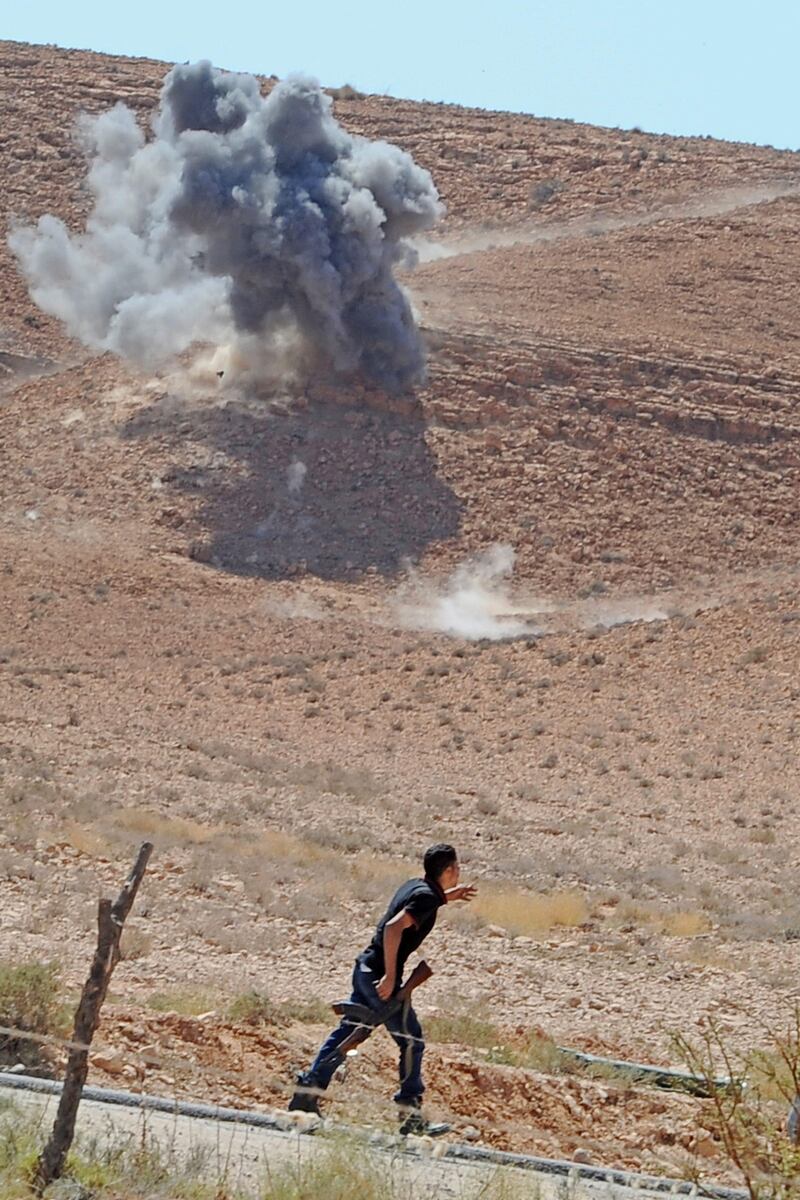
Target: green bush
(29, 1001)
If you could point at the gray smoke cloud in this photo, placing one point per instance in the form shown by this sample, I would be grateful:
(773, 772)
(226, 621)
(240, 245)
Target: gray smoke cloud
(251, 222)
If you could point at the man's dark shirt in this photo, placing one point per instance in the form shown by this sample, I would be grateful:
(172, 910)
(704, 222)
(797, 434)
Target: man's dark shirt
(421, 898)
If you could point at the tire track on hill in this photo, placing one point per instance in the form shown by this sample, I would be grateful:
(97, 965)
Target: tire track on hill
(712, 204)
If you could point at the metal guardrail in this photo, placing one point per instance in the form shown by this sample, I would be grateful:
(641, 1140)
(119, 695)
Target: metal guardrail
(660, 1077)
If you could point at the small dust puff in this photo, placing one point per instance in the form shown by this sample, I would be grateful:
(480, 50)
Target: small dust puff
(308, 1122)
(295, 477)
(304, 1122)
(439, 1150)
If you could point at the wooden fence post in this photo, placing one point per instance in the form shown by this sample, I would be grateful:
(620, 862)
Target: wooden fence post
(110, 920)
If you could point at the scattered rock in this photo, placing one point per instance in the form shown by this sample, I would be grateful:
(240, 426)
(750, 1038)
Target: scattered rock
(110, 1061)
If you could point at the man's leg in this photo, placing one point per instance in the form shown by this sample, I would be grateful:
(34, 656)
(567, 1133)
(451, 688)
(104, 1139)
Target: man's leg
(316, 1079)
(407, 1033)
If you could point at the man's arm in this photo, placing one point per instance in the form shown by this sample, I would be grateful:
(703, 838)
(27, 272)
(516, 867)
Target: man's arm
(465, 892)
(392, 933)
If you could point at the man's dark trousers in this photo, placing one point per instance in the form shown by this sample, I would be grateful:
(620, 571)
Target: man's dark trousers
(403, 1026)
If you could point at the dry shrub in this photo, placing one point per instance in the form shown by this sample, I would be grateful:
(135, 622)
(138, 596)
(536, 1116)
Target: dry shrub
(530, 913)
(286, 847)
(345, 838)
(225, 931)
(345, 92)
(171, 830)
(725, 856)
(86, 841)
(685, 924)
(704, 955)
(675, 923)
(17, 866)
(87, 808)
(750, 1118)
(533, 1049)
(463, 917)
(388, 872)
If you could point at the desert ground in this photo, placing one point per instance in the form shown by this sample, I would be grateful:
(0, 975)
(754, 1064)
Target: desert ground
(545, 608)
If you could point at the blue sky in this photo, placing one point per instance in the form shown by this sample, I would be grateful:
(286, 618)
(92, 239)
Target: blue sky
(728, 69)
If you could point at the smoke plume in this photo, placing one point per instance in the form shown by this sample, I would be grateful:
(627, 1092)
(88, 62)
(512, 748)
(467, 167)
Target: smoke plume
(244, 221)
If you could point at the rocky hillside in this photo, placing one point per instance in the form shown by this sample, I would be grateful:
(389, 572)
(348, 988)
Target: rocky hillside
(193, 651)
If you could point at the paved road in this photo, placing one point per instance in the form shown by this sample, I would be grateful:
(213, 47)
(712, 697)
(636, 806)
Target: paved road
(244, 1154)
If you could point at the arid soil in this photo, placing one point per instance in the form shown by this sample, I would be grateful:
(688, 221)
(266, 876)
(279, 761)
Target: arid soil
(193, 651)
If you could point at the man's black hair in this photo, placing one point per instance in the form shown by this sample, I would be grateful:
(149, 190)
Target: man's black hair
(438, 858)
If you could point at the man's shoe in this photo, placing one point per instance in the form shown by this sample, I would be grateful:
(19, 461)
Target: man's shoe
(414, 1124)
(305, 1099)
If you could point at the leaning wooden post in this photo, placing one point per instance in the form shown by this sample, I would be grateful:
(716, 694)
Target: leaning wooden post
(110, 920)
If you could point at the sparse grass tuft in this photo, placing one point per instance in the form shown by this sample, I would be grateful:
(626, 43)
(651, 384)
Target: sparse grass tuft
(530, 1048)
(85, 841)
(285, 847)
(114, 1166)
(168, 830)
(308, 1012)
(524, 913)
(187, 1002)
(256, 1008)
(756, 654)
(681, 923)
(462, 1029)
(685, 924)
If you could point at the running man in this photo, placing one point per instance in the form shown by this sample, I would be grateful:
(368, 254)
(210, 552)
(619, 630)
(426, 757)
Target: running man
(378, 975)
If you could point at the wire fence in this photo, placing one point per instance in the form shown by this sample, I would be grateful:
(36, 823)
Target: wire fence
(570, 1172)
(152, 1061)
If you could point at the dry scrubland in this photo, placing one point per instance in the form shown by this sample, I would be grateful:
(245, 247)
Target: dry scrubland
(618, 406)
